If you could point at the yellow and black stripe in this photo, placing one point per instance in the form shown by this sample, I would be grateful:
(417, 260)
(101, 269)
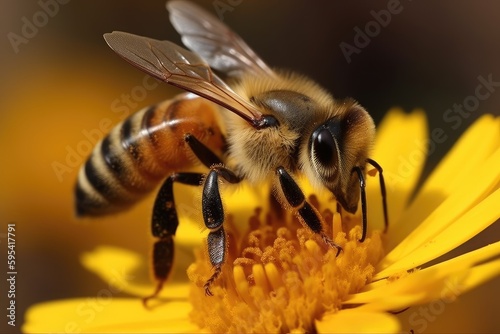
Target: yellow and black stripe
(141, 151)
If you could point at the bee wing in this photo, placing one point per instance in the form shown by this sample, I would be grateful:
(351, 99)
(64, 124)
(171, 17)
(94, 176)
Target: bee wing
(179, 67)
(215, 42)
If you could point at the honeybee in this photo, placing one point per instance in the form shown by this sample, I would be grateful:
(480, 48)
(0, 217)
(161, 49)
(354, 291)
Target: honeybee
(267, 126)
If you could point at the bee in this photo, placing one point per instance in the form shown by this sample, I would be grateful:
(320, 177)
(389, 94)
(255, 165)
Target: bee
(267, 126)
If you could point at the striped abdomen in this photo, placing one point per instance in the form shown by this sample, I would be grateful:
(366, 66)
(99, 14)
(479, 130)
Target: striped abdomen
(142, 151)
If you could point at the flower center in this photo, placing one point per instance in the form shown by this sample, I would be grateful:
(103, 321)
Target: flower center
(280, 276)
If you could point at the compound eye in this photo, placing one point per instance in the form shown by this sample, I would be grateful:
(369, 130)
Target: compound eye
(324, 147)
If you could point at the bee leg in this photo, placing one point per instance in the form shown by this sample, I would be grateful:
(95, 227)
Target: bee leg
(213, 211)
(382, 190)
(203, 153)
(306, 212)
(164, 225)
(362, 186)
(213, 216)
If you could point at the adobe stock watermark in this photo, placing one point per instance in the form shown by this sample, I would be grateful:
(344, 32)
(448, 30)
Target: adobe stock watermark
(419, 320)
(30, 26)
(362, 38)
(223, 6)
(455, 115)
(123, 107)
(454, 118)
(88, 310)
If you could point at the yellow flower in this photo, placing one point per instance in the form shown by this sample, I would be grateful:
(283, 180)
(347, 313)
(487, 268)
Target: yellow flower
(281, 278)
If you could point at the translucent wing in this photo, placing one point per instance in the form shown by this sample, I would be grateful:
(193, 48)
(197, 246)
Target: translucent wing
(182, 68)
(215, 42)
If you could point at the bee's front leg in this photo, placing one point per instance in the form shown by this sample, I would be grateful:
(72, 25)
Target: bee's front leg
(294, 198)
(382, 189)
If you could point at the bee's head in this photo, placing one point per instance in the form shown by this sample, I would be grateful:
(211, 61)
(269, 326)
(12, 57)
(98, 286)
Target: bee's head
(336, 147)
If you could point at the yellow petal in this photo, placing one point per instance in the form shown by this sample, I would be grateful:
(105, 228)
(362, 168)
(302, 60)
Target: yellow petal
(404, 292)
(456, 276)
(480, 274)
(458, 164)
(126, 271)
(455, 234)
(467, 261)
(355, 321)
(400, 149)
(472, 190)
(107, 315)
(448, 287)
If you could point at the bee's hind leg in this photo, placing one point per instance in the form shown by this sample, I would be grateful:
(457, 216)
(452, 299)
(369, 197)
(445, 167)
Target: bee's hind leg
(164, 225)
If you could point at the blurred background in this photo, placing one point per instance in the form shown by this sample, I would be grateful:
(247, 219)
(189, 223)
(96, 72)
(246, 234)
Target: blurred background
(61, 87)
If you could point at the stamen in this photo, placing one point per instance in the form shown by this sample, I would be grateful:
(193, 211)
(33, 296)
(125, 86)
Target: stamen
(284, 276)
(273, 276)
(259, 276)
(241, 283)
